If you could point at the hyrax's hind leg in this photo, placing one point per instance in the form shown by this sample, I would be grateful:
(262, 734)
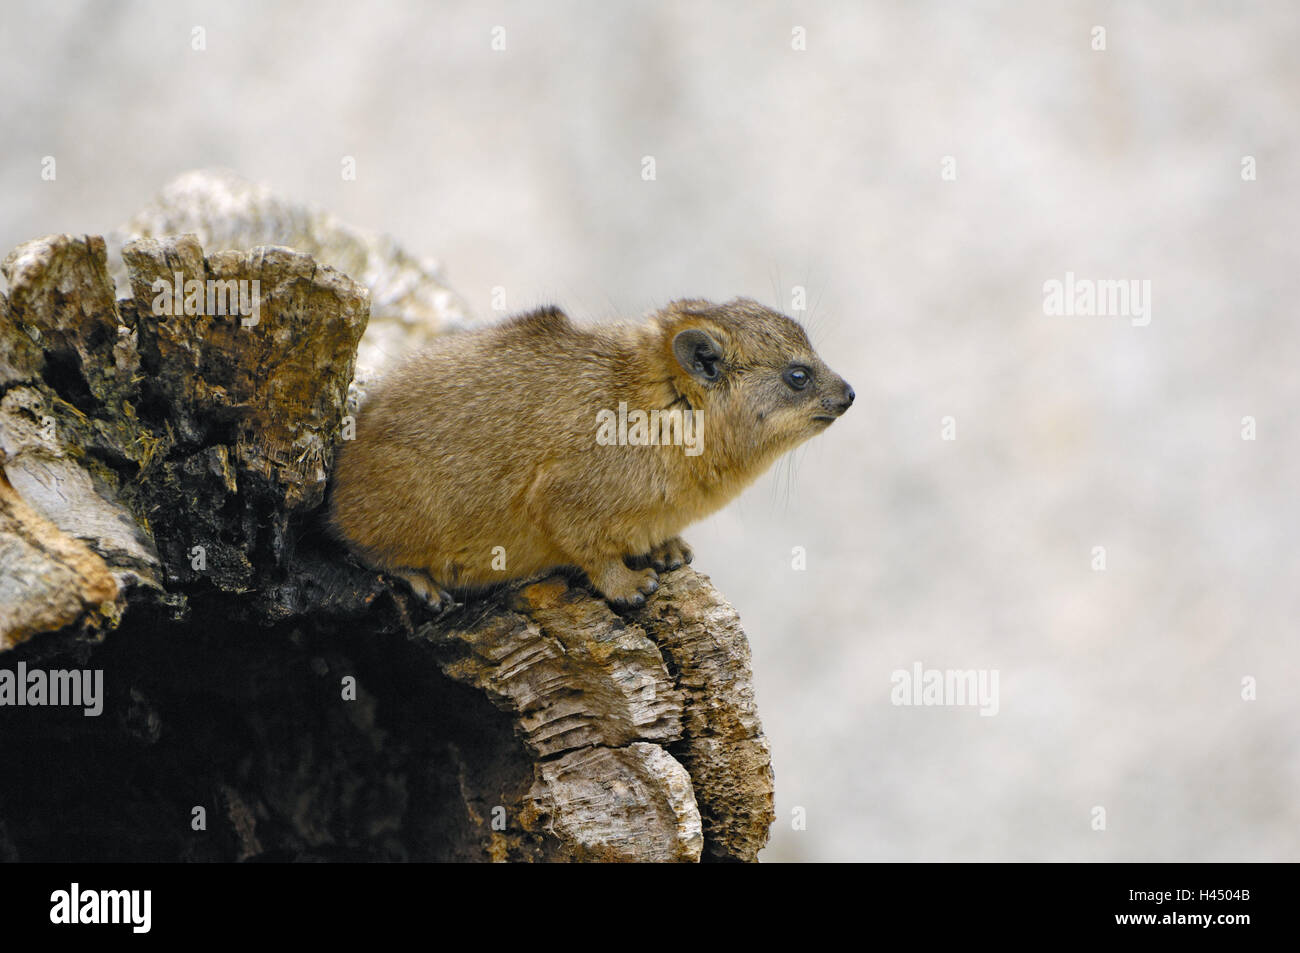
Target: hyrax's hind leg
(561, 506)
(669, 555)
(624, 587)
(427, 588)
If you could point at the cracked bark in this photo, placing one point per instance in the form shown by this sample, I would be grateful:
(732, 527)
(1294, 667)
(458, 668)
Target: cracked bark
(160, 519)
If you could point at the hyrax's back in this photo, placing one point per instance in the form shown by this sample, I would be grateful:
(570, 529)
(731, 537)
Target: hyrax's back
(447, 445)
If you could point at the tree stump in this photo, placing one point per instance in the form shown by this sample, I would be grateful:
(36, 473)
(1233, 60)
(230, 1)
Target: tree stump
(266, 697)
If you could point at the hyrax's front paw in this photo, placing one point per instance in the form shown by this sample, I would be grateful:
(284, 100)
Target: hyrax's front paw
(624, 587)
(424, 586)
(670, 554)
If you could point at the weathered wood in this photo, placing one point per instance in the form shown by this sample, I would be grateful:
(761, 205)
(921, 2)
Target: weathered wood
(163, 481)
(722, 743)
(410, 300)
(51, 581)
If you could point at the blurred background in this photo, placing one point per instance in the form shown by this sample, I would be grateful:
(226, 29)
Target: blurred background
(823, 168)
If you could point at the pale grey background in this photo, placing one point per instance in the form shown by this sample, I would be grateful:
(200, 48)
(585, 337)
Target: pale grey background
(821, 168)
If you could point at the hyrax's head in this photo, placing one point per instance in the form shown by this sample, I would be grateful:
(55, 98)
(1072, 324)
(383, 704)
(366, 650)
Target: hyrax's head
(762, 386)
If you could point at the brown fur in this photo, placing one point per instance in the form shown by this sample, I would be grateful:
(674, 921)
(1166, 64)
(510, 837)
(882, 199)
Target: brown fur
(488, 438)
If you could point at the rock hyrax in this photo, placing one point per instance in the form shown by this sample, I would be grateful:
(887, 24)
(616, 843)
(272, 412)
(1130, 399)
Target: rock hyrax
(496, 454)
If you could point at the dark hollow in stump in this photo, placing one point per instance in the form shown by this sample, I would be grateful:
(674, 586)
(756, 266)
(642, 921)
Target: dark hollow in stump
(264, 696)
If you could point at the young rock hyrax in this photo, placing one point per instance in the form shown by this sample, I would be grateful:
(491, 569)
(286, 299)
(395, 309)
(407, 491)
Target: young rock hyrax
(496, 454)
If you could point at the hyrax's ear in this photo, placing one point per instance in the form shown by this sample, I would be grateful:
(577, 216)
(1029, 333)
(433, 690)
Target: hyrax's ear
(698, 354)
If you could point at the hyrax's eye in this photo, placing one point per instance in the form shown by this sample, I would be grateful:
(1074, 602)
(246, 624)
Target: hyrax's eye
(797, 377)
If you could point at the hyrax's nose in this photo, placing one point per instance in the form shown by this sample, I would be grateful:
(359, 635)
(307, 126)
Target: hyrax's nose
(846, 401)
